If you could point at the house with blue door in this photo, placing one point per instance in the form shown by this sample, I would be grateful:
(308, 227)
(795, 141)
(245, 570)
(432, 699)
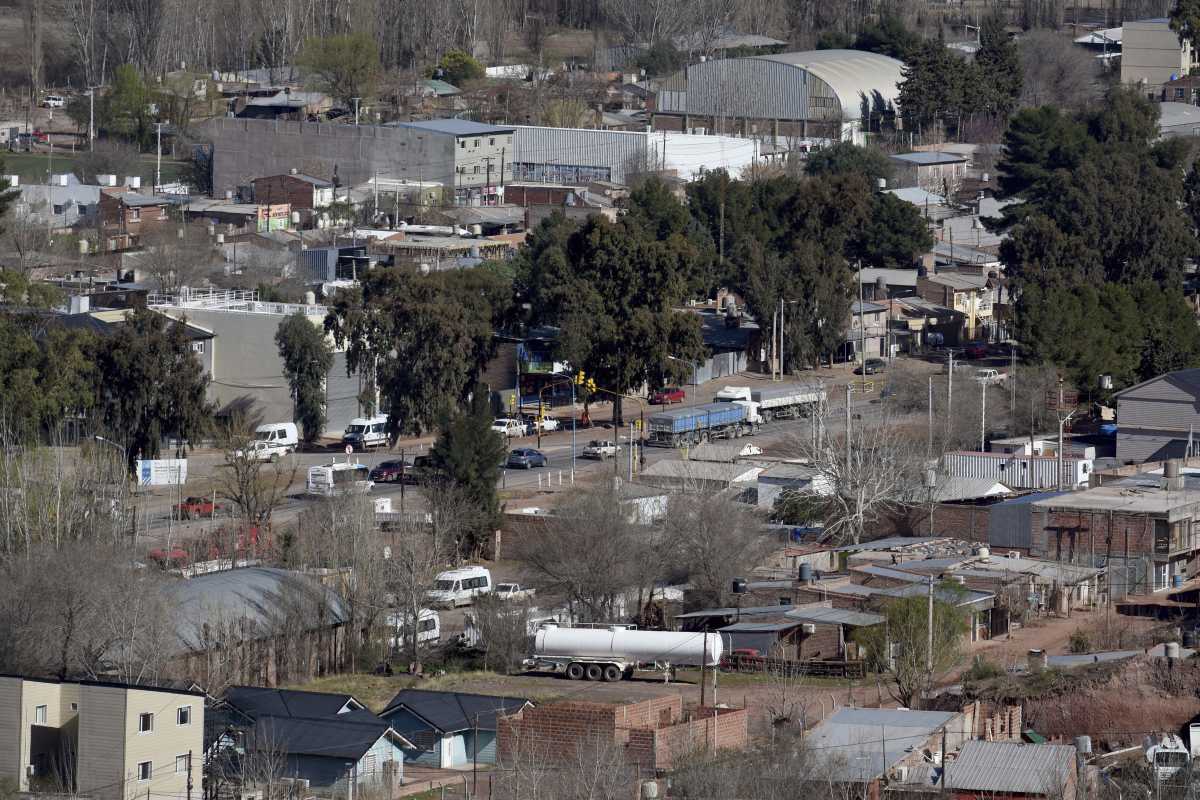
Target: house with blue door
(329, 740)
(449, 729)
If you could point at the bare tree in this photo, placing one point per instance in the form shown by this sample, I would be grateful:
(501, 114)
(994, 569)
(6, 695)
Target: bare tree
(415, 555)
(713, 539)
(255, 487)
(649, 21)
(591, 552)
(865, 472)
(589, 767)
(175, 258)
(1056, 71)
(503, 631)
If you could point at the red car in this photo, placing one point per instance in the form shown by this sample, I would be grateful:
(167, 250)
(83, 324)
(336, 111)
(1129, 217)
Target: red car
(667, 395)
(745, 657)
(196, 508)
(976, 350)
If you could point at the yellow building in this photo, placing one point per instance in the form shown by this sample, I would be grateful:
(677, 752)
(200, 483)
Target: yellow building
(108, 741)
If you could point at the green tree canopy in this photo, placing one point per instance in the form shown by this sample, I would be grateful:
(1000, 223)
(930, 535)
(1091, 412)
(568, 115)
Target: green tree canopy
(458, 67)
(124, 111)
(423, 338)
(1000, 75)
(307, 359)
(847, 158)
(894, 233)
(907, 627)
(1185, 21)
(47, 376)
(344, 66)
(614, 291)
(468, 454)
(150, 384)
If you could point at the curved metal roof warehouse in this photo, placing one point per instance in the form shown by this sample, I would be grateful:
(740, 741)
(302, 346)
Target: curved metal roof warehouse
(829, 90)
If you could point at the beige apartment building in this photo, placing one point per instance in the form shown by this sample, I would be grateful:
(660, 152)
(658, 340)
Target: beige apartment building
(1151, 55)
(107, 741)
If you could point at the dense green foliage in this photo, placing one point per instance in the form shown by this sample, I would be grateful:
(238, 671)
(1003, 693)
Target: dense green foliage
(458, 67)
(908, 627)
(1100, 231)
(1185, 21)
(613, 290)
(343, 67)
(424, 338)
(845, 158)
(42, 382)
(150, 384)
(307, 359)
(468, 454)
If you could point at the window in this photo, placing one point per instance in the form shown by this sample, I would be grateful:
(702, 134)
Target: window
(1160, 576)
(197, 347)
(492, 142)
(145, 770)
(59, 208)
(74, 706)
(39, 715)
(145, 723)
(135, 215)
(462, 144)
(476, 144)
(181, 762)
(476, 170)
(183, 715)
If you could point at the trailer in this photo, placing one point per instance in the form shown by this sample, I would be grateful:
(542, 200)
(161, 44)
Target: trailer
(691, 426)
(775, 402)
(613, 652)
(1019, 471)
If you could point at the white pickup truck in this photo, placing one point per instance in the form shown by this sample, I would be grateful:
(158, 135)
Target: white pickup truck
(512, 591)
(990, 376)
(601, 449)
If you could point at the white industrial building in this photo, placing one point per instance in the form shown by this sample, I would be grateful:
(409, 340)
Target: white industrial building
(816, 95)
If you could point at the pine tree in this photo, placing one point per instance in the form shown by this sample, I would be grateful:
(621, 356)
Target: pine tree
(1000, 67)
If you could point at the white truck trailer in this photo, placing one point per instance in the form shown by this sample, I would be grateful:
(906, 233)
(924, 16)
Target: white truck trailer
(774, 402)
(613, 652)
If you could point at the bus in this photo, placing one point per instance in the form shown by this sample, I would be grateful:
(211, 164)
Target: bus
(330, 479)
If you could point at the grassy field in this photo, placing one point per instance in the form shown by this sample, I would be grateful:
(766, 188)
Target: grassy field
(31, 167)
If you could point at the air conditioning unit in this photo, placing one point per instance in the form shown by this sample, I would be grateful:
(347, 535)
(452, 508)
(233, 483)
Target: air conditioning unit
(809, 628)
(1014, 553)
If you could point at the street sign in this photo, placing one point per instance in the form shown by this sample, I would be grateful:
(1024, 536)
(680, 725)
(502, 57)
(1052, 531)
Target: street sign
(349, 449)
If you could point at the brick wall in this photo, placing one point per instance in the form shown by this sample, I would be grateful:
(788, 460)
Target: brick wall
(281, 189)
(1069, 535)
(825, 643)
(652, 733)
(968, 522)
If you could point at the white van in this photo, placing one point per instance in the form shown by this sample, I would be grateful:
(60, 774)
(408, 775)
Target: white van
(279, 434)
(362, 433)
(429, 628)
(53, 101)
(458, 587)
(331, 479)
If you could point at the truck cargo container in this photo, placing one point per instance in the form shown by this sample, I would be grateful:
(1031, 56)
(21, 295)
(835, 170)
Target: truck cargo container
(690, 426)
(1019, 471)
(613, 652)
(774, 402)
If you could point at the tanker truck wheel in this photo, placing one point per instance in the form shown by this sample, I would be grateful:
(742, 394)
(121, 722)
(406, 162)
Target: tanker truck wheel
(575, 671)
(594, 672)
(612, 673)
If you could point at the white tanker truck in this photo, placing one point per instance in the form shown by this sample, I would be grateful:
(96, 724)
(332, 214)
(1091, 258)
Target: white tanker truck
(613, 652)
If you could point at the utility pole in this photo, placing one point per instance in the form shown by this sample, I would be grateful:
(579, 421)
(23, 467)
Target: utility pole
(781, 320)
(848, 441)
(929, 633)
(92, 117)
(862, 331)
(929, 443)
(982, 414)
(1012, 381)
(356, 101)
(632, 447)
(189, 775)
(158, 155)
(950, 391)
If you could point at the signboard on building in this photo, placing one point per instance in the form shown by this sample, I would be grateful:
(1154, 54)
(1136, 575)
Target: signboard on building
(162, 472)
(274, 217)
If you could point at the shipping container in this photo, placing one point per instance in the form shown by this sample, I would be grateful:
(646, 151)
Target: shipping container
(1019, 471)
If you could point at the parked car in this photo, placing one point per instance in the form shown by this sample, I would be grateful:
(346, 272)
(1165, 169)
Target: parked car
(989, 376)
(388, 472)
(512, 591)
(545, 424)
(53, 101)
(871, 366)
(509, 428)
(261, 450)
(196, 508)
(526, 458)
(745, 656)
(976, 350)
(601, 449)
(667, 395)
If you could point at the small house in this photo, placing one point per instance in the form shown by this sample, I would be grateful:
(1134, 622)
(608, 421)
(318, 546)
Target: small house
(449, 729)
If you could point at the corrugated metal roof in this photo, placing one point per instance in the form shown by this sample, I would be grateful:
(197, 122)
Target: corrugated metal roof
(457, 127)
(889, 542)
(893, 277)
(702, 471)
(918, 197)
(885, 572)
(1011, 767)
(759, 627)
(929, 158)
(750, 611)
(852, 74)
(836, 616)
(861, 743)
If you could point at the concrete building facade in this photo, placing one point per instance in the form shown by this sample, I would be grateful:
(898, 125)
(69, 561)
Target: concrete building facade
(108, 741)
(1151, 55)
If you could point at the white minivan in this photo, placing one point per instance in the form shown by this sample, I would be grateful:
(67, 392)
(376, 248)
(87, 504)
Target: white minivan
(279, 434)
(429, 628)
(458, 587)
(53, 101)
(363, 433)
